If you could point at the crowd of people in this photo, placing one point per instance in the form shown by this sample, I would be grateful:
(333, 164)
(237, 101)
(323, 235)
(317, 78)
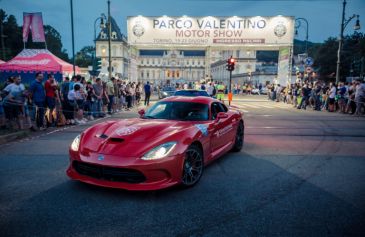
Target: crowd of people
(73, 101)
(76, 100)
(344, 97)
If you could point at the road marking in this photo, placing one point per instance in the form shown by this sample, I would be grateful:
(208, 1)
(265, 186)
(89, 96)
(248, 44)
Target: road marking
(251, 106)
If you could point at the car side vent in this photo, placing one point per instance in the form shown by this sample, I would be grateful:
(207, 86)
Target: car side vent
(116, 140)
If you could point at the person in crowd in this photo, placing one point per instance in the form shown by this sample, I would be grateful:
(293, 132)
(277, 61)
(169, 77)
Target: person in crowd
(331, 97)
(89, 102)
(359, 97)
(138, 93)
(66, 108)
(72, 82)
(128, 91)
(305, 96)
(220, 91)
(14, 102)
(295, 92)
(38, 98)
(341, 93)
(98, 92)
(317, 96)
(105, 99)
(210, 89)
(50, 87)
(116, 96)
(110, 93)
(351, 105)
(76, 100)
(147, 93)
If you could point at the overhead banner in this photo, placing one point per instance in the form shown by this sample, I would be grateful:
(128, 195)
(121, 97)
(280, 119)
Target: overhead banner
(210, 31)
(33, 22)
(284, 65)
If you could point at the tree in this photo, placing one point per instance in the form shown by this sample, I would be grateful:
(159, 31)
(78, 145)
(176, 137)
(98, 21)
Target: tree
(325, 57)
(85, 56)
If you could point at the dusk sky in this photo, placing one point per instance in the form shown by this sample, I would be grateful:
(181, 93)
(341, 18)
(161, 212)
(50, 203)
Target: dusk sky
(323, 16)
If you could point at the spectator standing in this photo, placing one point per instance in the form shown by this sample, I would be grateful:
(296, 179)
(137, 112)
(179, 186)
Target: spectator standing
(110, 93)
(66, 108)
(89, 100)
(38, 97)
(147, 93)
(76, 99)
(359, 97)
(98, 98)
(14, 103)
(50, 87)
(331, 96)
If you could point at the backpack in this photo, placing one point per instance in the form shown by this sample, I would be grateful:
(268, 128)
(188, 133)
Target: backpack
(214, 90)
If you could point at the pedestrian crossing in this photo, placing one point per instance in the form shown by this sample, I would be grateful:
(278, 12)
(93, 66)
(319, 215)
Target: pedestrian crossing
(249, 106)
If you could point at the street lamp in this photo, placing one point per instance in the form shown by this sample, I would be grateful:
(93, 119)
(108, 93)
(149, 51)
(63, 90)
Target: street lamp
(344, 23)
(102, 18)
(298, 24)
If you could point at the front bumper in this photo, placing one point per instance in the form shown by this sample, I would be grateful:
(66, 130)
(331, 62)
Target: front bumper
(149, 175)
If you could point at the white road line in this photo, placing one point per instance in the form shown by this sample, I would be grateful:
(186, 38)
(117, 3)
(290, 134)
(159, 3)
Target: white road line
(251, 106)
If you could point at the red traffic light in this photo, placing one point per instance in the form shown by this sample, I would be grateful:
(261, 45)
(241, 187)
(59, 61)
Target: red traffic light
(231, 60)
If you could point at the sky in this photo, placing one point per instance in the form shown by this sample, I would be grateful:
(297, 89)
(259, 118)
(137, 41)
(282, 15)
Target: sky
(324, 16)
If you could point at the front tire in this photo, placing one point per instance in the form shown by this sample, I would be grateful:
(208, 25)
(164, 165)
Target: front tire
(238, 144)
(193, 166)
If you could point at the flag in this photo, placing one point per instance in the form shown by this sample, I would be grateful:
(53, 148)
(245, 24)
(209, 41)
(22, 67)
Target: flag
(33, 22)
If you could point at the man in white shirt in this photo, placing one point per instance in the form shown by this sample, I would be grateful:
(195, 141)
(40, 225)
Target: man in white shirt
(359, 97)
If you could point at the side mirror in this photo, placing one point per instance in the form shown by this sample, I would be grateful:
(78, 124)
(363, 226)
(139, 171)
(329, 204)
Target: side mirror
(141, 113)
(221, 115)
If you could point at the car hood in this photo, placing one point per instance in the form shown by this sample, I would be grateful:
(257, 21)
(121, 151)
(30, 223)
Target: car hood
(131, 137)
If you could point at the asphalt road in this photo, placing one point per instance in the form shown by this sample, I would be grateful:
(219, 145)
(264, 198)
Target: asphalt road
(301, 173)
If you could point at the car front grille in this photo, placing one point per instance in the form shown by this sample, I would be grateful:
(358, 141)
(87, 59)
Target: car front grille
(109, 173)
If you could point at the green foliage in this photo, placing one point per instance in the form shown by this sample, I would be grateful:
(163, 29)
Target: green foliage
(84, 57)
(325, 56)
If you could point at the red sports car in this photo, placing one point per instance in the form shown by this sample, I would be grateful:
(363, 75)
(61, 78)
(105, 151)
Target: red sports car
(168, 144)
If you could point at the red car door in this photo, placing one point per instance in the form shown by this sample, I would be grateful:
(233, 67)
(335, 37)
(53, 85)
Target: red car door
(220, 130)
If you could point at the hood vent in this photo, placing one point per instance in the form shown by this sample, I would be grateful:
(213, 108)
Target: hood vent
(116, 140)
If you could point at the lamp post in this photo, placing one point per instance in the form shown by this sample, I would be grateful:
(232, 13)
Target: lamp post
(102, 26)
(298, 21)
(344, 23)
(109, 41)
(73, 38)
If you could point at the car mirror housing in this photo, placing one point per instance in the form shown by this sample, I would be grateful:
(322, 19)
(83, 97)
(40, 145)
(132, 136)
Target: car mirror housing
(221, 115)
(141, 112)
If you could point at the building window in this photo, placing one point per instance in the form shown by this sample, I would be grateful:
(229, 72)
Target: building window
(142, 74)
(148, 74)
(148, 61)
(237, 53)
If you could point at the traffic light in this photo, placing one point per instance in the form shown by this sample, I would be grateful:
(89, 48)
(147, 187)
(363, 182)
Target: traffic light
(230, 64)
(97, 66)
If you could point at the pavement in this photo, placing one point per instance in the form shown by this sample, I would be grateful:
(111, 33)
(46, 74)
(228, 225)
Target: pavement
(300, 173)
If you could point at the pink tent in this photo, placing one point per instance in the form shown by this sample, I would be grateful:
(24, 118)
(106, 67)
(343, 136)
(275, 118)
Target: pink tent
(37, 60)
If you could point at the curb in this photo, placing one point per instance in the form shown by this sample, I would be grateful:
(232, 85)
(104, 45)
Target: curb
(13, 136)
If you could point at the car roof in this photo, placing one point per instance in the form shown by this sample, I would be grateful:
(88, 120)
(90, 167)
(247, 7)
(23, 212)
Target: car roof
(196, 99)
(190, 90)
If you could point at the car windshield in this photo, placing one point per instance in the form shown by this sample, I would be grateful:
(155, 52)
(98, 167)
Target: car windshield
(185, 111)
(191, 93)
(168, 89)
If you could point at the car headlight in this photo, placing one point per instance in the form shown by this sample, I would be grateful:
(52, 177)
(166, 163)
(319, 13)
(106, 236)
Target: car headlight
(76, 143)
(160, 151)
(164, 93)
